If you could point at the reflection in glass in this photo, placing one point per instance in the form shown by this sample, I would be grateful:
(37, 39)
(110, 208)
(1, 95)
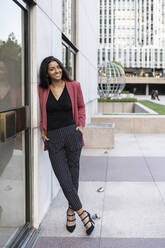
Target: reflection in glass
(12, 154)
(68, 58)
(10, 64)
(12, 185)
(10, 74)
(71, 64)
(69, 19)
(64, 56)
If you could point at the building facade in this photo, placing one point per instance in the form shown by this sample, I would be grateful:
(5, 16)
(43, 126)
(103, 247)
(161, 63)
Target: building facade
(35, 30)
(132, 32)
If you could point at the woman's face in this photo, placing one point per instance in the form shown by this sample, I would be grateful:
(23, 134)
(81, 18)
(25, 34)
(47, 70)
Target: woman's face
(54, 71)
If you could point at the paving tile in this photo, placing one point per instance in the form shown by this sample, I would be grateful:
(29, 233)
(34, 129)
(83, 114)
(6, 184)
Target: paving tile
(152, 144)
(161, 188)
(157, 167)
(151, 152)
(93, 168)
(59, 201)
(95, 152)
(133, 209)
(49, 242)
(128, 169)
(85, 242)
(125, 145)
(144, 138)
(132, 243)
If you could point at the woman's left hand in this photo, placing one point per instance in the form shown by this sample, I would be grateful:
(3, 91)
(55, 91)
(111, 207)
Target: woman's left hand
(80, 128)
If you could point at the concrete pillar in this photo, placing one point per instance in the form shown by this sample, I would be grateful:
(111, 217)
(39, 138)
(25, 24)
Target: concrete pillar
(163, 72)
(147, 89)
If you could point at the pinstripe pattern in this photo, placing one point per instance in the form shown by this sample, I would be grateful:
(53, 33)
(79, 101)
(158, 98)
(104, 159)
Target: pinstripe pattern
(64, 148)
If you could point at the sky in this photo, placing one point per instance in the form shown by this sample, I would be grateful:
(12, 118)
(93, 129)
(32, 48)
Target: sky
(10, 20)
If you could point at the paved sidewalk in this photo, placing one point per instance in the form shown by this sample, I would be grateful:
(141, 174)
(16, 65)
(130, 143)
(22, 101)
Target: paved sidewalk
(132, 205)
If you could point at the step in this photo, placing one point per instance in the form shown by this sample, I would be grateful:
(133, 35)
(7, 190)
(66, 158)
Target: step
(99, 136)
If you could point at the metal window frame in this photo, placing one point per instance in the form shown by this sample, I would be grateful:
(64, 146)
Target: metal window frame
(25, 4)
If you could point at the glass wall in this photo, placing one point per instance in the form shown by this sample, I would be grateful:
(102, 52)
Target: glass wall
(12, 150)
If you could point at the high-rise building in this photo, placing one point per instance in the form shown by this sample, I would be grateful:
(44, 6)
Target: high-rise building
(132, 32)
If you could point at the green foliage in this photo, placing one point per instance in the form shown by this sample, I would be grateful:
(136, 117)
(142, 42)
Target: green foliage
(10, 49)
(11, 56)
(150, 74)
(125, 92)
(117, 100)
(160, 109)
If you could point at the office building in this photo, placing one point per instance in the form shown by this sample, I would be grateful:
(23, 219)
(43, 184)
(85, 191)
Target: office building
(132, 32)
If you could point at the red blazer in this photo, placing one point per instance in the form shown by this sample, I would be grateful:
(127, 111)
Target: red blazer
(78, 106)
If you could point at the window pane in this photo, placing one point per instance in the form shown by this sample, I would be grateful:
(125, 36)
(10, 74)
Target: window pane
(71, 64)
(11, 54)
(64, 56)
(12, 151)
(68, 19)
(68, 59)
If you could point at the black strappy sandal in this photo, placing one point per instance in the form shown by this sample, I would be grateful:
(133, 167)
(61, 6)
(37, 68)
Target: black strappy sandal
(91, 228)
(70, 228)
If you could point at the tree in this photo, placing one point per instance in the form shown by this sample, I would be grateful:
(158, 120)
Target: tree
(10, 54)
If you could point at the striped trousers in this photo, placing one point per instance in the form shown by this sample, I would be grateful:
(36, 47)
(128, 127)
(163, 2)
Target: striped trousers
(64, 148)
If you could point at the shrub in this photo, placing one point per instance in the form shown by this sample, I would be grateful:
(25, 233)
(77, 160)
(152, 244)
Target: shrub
(117, 100)
(151, 74)
(125, 92)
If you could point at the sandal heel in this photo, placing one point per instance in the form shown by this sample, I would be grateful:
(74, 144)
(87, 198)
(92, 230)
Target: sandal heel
(91, 228)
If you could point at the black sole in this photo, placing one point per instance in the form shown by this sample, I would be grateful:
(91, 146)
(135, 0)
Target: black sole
(70, 228)
(90, 230)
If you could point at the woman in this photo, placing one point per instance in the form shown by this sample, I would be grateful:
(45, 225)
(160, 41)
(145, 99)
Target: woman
(62, 122)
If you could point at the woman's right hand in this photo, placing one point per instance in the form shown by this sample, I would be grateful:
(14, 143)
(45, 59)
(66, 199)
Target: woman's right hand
(44, 137)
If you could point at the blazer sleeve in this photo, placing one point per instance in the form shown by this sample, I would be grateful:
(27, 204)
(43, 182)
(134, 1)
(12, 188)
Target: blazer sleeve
(40, 100)
(81, 107)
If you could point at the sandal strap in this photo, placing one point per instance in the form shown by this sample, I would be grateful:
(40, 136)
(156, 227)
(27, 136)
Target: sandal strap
(81, 213)
(85, 217)
(71, 220)
(87, 222)
(70, 214)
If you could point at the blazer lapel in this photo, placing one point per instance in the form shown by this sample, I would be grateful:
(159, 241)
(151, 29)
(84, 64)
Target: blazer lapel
(69, 87)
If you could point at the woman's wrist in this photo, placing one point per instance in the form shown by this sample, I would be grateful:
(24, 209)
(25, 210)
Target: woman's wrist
(43, 134)
(80, 128)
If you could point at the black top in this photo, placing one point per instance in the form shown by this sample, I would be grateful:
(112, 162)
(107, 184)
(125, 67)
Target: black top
(59, 113)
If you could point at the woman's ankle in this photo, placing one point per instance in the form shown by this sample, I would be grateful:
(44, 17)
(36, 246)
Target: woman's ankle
(80, 211)
(70, 211)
